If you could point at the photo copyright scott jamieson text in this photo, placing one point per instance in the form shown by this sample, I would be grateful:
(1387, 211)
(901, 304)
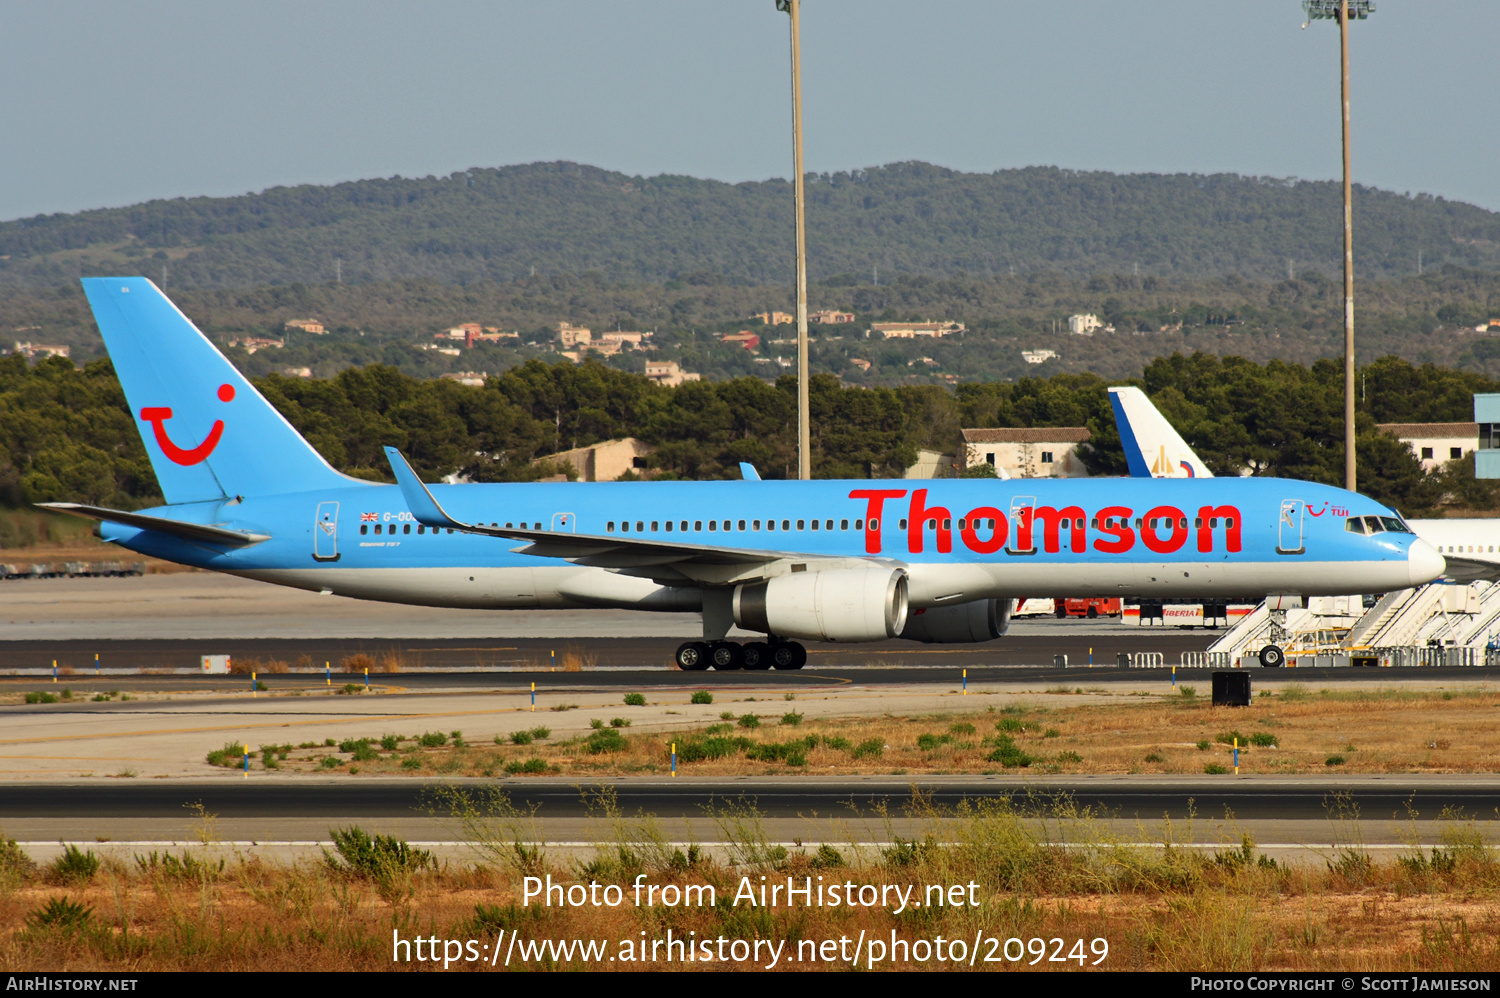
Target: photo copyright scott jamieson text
(1343, 982)
(511, 947)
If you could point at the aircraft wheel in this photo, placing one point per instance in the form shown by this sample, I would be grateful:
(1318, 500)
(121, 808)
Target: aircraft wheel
(1272, 657)
(756, 655)
(788, 655)
(692, 656)
(725, 656)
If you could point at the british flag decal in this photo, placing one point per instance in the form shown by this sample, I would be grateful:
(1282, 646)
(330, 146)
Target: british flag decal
(368, 517)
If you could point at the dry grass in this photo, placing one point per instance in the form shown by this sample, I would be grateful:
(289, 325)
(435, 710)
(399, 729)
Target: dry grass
(255, 666)
(1380, 731)
(1160, 908)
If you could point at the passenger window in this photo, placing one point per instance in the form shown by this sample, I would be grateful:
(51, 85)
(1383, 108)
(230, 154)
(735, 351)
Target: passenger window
(828, 525)
(787, 525)
(814, 524)
(754, 524)
(742, 524)
(609, 527)
(1138, 523)
(901, 524)
(450, 530)
(947, 524)
(1197, 521)
(639, 526)
(669, 526)
(1229, 521)
(1078, 523)
(801, 524)
(1354, 525)
(377, 528)
(859, 524)
(654, 527)
(364, 528)
(713, 524)
(697, 525)
(874, 525)
(683, 526)
(406, 528)
(1182, 523)
(843, 524)
(624, 526)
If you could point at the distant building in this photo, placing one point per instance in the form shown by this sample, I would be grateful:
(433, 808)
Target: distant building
(1435, 444)
(254, 343)
(306, 325)
(606, 461)
(860, 362)
(930, 464)
(743, 338)
(472, 378)
(1027, 452)
(1084, 325)
(911, 330)
(830, 317)
(569, 335)
(1037, 356)
(775, 318)
(623, 339)
(297, 372)
(667, 373)
(489, 336)
(32, 351)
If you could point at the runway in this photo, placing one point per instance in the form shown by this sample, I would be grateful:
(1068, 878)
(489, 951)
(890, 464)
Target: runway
(1247, 797)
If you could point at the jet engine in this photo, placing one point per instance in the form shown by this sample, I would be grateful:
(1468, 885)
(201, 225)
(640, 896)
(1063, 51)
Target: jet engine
(851, 604)
(960, 623)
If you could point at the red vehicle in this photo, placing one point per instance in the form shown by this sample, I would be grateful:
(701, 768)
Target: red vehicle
(1099, 606)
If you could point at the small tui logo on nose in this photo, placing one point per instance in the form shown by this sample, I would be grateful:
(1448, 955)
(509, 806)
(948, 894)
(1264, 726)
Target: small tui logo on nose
(157, 416)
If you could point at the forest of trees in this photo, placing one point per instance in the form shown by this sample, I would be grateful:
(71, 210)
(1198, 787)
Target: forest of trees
(66, 433)
(910, 219)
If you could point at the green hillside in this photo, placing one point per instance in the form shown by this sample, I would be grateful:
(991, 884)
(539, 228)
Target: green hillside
(904, 219)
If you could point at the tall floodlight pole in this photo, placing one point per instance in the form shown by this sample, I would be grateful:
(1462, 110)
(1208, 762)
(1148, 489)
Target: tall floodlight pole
(804, 445)
(1341, 11)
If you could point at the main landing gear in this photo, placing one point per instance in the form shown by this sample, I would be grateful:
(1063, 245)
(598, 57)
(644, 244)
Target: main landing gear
(695, 656)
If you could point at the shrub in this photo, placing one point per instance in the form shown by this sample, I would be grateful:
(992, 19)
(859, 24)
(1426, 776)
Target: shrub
(1203, 745)
(231, 755)
(351, 745)
(635, 699)
(827, 858)
(604, 740)
(720, 729)
(1294, 692)
(793, 753)
(541, 732)
(1011, 724)
(1229, 737)
(870, 748)
(749, 721)
(596, 723)
(930, 742)
(357, 663)
(532, 765)
(1008, 754)
(14, 862)
(60, 913)
(698, 749)
(1334, 760)
(373, 856)
(458, 738)
(619, 722)
(75, 866)
(727, 715)
(1069, 757)
(559, 708)
(187, 868)
(838, 742)
(1051, 733)
(66, 693)
(791, 718)
(411, 762)
(331, 762)
(350, 689)
(1187, 692)
(962, 728)
(702, 696)
(519, 738)
(432, 739)
(390, 742)
(1153, 757)
(1263, 739)
(1214, 769)
(40, 698)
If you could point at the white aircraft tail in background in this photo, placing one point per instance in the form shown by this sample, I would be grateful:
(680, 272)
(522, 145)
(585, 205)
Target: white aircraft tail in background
(1153, 449)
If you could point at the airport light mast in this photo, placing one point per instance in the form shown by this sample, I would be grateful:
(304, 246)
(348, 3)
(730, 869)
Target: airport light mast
(1341, 11)
(804, 446)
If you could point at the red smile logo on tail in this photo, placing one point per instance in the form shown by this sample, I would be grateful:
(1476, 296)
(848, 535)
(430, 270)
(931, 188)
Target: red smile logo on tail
(158, 415)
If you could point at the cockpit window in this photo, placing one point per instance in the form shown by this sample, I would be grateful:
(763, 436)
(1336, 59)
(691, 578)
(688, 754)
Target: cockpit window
(1354, 525)
(1394, 524)
(1373, 525)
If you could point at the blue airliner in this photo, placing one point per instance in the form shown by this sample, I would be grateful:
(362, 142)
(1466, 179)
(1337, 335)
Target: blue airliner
(933, 561)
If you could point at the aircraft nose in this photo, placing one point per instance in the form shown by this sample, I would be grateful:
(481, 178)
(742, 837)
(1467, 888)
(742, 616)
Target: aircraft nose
(1424, 563)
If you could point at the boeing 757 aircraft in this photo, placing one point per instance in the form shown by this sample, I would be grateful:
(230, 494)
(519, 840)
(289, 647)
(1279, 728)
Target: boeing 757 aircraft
(1153, 449)
(936, 561)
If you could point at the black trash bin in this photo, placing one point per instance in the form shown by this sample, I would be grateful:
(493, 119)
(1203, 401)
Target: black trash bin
(1232, 689)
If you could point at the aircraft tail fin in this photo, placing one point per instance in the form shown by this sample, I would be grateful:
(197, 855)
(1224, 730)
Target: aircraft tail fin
(210, 435)
(1153, 449)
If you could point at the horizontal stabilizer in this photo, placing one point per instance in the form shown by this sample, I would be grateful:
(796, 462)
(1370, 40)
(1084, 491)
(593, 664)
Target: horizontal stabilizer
(160, 524)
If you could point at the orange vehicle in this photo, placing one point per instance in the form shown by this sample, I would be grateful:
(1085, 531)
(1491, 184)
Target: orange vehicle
(1099, 606)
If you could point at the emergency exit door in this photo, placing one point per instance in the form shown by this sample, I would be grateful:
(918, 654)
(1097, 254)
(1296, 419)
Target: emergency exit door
(326, 532)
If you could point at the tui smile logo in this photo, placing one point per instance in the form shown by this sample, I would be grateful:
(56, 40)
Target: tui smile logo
(157, 417)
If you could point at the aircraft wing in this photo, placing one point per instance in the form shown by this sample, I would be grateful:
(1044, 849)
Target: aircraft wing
(1466, 570)
(160, 524)
(662, 560)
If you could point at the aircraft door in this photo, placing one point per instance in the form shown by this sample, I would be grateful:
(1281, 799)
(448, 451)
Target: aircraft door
(1289, 527)
(1022, 508)
(325, 532)
(564, 523)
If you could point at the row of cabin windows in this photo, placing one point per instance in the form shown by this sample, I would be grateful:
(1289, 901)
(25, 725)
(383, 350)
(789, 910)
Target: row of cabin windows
(364, 528)
(681, 526)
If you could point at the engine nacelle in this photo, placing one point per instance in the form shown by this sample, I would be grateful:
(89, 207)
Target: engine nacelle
(847, 604)
(961, 623)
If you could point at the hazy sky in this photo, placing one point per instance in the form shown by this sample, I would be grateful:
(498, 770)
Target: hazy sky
(113, 103)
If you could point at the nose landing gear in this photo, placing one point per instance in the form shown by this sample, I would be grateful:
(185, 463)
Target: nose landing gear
(726, 656)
